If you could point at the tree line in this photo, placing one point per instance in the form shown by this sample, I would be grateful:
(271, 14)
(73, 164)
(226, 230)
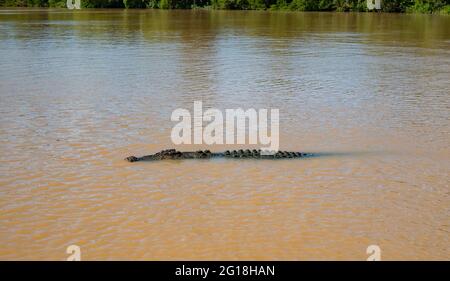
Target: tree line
(420, 6)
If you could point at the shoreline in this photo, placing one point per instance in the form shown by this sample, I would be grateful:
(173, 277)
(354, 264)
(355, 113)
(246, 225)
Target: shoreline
(439, 7)
(212, 9)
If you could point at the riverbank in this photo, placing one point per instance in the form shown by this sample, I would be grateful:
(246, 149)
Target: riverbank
(397, 6)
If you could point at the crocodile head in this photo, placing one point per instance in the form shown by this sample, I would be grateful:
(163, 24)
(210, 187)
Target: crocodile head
(132, 159)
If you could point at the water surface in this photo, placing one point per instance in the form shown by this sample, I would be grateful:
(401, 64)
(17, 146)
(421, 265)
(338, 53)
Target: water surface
(79, 91)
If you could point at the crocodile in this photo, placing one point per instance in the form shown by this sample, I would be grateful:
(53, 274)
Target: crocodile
(174, 154)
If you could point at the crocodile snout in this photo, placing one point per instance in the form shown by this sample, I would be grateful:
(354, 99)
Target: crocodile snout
(132, 159)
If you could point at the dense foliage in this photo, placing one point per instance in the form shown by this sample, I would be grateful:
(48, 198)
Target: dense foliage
(420, 6)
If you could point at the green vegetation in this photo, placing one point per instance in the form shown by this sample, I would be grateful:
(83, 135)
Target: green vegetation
(429, 6)
(410, 6)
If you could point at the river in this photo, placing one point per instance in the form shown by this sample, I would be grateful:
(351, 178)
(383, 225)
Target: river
(82, 90)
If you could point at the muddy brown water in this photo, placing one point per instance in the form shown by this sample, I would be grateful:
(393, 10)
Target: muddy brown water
(81, 90)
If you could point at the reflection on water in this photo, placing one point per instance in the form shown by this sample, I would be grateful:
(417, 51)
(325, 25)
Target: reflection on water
(82, 90)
